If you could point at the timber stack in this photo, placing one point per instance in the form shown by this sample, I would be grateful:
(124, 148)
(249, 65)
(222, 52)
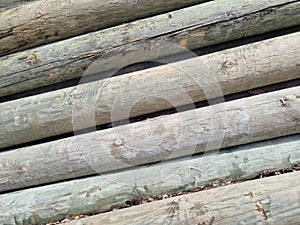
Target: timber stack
(149, 112)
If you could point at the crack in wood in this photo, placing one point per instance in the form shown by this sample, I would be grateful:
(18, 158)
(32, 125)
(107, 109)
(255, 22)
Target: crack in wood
(262, 206)
(6, 33)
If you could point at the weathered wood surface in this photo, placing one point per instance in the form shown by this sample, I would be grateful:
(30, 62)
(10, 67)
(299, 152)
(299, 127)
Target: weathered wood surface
(223, 125)
(8, 4)
(195, 27)
(51, 20)
(102, 193)
(184, 82)
(273, 200)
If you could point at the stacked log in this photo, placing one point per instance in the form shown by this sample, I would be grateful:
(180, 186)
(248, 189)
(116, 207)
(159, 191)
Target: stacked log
(74, 150)
(141, 184)
(264, 202)
(184, 82)
(191, 28)
(182, 134)
(46, 21)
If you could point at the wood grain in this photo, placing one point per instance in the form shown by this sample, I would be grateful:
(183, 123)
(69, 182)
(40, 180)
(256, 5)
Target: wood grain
(189, 28)
(112, 190)
(181, 83)
(222, 125)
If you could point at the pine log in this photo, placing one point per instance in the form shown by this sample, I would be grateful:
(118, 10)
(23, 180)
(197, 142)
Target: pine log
(189, 28)
(102, 193)
(184, 82)
(46, 21)
(8, 4)
(222, 125)
(274, 200)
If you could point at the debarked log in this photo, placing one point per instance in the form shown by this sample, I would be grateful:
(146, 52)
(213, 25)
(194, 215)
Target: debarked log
(173, 85)
(109, 191)
(46, 21)
(166, 137)
(189, 28)
(273, 200)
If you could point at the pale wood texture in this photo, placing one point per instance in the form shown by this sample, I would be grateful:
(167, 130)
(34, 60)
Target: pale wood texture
(8, 4)
(206, 77)
(102, 193)
(195, 27)
(46, 21)
(274, 200)
(223, 125)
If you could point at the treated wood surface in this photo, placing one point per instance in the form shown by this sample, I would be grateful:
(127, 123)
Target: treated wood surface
(223, 125)
(8, 4)
(274, 200)
(102, 193)
(51, 20)
(184, 82)
(194, 27)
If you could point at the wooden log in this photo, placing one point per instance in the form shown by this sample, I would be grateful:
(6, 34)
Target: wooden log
(190, 28)
(51, 20)
(273, 200)
(102, 193)
(5, 4)
(223, 125)
(180, 83)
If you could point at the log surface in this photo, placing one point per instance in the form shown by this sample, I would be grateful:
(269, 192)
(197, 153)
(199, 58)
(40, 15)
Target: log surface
(223, 125)
(264, 201)
(102, 193)
(8, 4)
(190, 28)
(46, 21)
(181, 83)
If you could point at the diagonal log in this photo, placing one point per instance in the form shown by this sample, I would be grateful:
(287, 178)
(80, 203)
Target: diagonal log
(98, 194)
(255, 202)
(222, 125)
(181, 83)
(47, 21)
(189, 28)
